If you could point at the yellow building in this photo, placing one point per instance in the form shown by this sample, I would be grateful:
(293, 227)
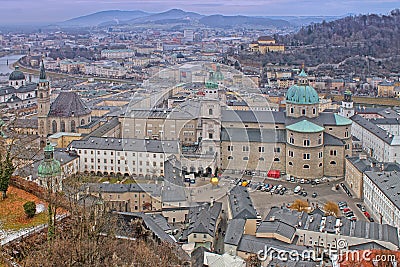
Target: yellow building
(266, 44)
(386, 89)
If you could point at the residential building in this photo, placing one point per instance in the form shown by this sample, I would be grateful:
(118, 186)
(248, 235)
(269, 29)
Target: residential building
(382, 195)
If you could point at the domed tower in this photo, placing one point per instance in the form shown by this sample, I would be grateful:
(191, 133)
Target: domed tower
(301, 99)
(304, 150)
(347, 108)
(49, 170)
(16, 78)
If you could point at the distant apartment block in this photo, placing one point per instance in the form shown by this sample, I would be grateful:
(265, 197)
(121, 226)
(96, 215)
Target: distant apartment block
(117, 53)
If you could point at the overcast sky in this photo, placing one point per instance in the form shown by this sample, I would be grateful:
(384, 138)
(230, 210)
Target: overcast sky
(37, 11)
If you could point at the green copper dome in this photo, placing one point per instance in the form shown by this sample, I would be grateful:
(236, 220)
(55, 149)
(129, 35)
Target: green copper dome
(211, 83)
(16, 75)
(302, 93)
(49, 167)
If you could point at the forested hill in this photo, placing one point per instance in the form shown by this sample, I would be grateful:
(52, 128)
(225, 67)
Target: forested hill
(373, 35)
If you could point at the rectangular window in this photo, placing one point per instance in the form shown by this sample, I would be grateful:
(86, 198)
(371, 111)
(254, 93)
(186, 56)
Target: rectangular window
(291, 154)
(333, 152)
(306, 156)
(245, 148)
(230, 148)
(277, 149)
(261, 149)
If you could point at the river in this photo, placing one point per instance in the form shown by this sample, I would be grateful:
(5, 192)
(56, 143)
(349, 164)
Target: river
(5, 69)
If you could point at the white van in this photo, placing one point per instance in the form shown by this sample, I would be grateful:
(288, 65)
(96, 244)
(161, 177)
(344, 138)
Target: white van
(297, 189)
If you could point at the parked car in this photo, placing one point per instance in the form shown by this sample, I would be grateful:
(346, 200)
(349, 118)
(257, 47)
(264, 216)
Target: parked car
(288, 178)
(363, 209)
(371, 219)
(281, 192)
(359, 205)
(314, 195)
(353, 218)
(313, 182)
(292, 179)
(297, 189)
(302, 181)
(367, 214)
(346, 209)
(304, 194)
(317, 181)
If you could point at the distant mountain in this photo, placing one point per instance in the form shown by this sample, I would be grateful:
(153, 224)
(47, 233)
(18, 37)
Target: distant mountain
(178, 16)
(232, 21)
(306, 20)
(173, 15)
(101, 17)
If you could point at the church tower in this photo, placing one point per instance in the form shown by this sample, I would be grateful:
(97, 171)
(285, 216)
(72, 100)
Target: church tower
(347, 107)
(43, 102)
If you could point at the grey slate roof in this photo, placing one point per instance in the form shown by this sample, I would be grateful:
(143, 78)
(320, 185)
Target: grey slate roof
(127, 144)
(241, 204)
(234, 231)
(150, 222)
(312, 222)
(9, 90)
(253, 135)
(388, 184)
(253, 244)
(203, 219)
(287, 216)
(103, 129)
(153, 189)
(252, 116)
(277, 227)
(371, 127)
(68, 104)
(173, 193)
(330, 140)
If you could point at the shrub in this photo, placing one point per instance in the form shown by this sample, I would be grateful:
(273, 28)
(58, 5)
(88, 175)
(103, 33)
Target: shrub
(30, 209)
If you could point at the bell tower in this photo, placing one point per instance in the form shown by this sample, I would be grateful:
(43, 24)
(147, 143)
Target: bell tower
(43, 102)
(347, 107)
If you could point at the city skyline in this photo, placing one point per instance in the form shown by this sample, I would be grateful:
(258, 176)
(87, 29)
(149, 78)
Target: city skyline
(24, 11)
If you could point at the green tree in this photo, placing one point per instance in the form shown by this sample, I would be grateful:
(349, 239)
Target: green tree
(7, 168)
(30, 209)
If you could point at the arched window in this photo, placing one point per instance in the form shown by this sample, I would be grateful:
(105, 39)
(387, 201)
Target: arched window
(332, 162)
(245, 158)
(72, 126)
(82, 121)
(291, 110)
(306, 166)
(306, 142)
(54, 126)
(210, 111)
(62, 126)
(261, 159)
(290, 163)
(230, 157)
(41, 95)
(320, 164)
(276, 159)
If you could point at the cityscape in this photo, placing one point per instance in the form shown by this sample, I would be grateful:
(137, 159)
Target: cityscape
(170, 133)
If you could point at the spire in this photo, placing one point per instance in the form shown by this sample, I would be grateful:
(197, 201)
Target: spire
(42, 76)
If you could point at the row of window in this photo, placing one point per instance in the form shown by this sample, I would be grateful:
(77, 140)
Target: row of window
(106, 152)
(306, 166)
(260, 158)
(303, 111)
(261, 149)
(118, 169)
(111, 161)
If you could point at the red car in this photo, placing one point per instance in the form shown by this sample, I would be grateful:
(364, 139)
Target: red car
(346, 210)
(367, 214)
